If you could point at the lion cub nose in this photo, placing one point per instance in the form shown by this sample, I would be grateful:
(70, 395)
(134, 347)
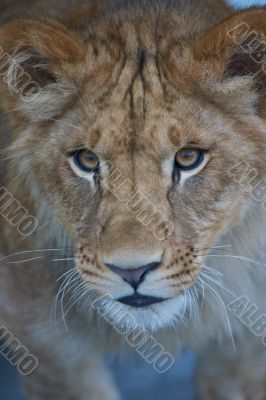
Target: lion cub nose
(134, 276)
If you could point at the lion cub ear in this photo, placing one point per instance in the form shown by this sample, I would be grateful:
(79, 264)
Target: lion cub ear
(36, 60)
(236, 48)
(237, 45)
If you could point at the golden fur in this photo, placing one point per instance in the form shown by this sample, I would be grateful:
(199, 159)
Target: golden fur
(134, 82)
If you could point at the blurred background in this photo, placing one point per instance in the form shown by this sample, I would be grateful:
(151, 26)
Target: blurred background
(137, 380)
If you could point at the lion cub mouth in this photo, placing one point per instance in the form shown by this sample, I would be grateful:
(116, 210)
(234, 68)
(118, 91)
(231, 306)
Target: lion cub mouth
(139, 300)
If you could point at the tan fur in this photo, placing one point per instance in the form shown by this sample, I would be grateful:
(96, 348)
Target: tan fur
(134, 83)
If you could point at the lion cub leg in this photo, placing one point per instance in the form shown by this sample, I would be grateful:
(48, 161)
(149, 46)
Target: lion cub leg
(79, 376)
(224, 374)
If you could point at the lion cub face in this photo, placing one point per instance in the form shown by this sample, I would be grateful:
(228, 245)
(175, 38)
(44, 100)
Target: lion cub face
(133, 149)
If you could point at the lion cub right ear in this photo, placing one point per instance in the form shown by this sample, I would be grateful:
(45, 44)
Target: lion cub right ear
(37, 59)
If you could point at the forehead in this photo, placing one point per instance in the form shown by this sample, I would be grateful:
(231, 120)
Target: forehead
(133, 103)
(166, 125)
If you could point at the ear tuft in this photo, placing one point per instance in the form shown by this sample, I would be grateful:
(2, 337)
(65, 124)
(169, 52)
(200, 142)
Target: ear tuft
(27, 73)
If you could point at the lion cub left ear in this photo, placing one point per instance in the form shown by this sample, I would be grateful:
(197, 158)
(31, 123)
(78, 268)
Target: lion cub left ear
(36, 60)
(236, 48)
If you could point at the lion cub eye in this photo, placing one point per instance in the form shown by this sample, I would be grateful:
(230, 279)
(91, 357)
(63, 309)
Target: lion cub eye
(188, 158)
(86, 160)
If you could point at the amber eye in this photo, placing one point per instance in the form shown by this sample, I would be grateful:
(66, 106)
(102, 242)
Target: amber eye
(86, 160)
(189, 158)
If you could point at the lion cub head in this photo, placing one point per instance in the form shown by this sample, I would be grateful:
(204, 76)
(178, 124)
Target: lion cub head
(131, 136)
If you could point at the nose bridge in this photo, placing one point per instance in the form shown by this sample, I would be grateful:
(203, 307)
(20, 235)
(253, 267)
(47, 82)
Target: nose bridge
(136, 184)
(126, 242)
(133, 196)
(129, 235)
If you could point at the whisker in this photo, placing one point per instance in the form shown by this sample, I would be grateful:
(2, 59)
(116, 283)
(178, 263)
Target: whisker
(65, 273)
(218, 284)
(213, 271)
(190, 304)
(67, 280)
(213, 247)
(72, 283)
(82, 290)
(92, 296)
(241, 258)
(221, 247)
(80, 284)
(196, 293)
(185, 305)
(194, 304)
(225, 310)
(203, 290)
(89, 293)
(29, 251)
(25, 261)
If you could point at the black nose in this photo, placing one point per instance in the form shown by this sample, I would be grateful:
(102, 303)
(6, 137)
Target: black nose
(134, 276)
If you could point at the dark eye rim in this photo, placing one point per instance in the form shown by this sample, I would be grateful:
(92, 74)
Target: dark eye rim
(201, 155)
(75, 155)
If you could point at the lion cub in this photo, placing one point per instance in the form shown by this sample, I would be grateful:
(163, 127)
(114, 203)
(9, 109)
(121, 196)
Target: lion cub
(132, 196)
